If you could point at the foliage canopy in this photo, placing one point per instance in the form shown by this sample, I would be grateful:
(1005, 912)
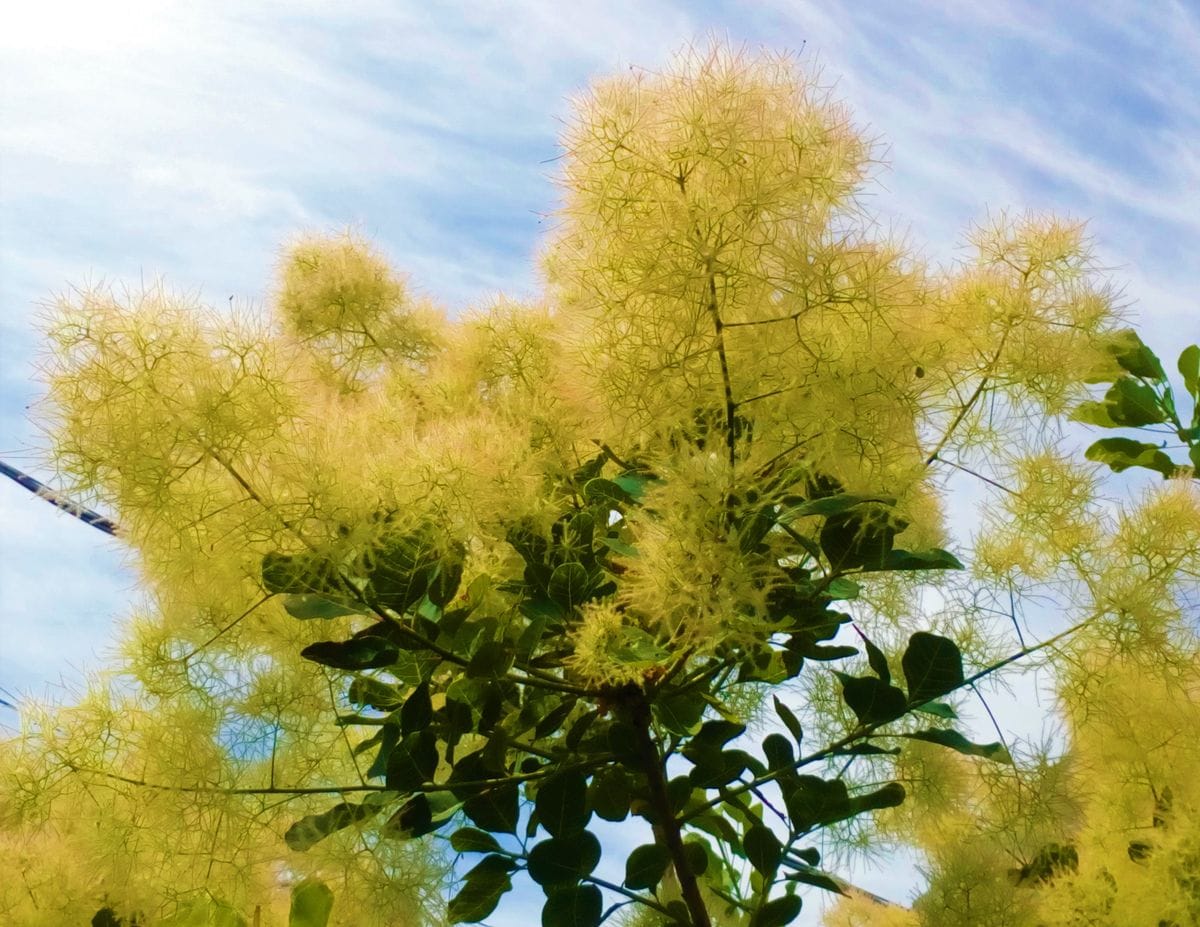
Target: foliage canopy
(506, 576)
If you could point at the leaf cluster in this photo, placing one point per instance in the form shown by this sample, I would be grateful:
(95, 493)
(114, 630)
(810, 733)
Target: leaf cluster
(1142, 397)
(477, 713)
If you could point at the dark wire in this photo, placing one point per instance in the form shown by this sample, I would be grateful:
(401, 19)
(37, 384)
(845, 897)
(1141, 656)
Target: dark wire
(42, 491)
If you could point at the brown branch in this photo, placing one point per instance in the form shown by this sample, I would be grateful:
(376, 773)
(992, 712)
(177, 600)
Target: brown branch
(730, 406)
(667, 826)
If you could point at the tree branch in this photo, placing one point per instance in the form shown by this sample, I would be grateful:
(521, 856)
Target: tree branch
(667, 825)
(867, 730)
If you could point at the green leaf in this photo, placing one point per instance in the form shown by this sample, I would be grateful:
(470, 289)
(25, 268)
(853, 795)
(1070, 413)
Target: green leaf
(889, 796)
(932, 666)
(1133, 404)
(564, 860)
(417, 712)
(312, 900)
(715, 734)
(715, 768)
(374, 694)
(403, 567)
(492, 660)
(872, 700)
(1194, 455)
(1189, 369)
(864, 748)
(619, 547)
(762, 849)
(569, 585)
(716, 824)
(634, 484)
(933, 559)
(553, 720)
(778, 751)
(813, 802)
(298, 573)
(1093, 413)
(355, 654)
(562, 804)
(842, 587)
(646, 866)
(445, 582)
(313, 828)
(849, 541)
(496, 809)
(473, 840)
(777, 913)
(696, 854)
(606, 493)
(413, 819)
(877, 661)
(938, 710)
(1122, 453)
(956, 741)
(789, 719)
(574, 906)
(389, 736)
(306, 606)
(413, 761)
(754, 528)
(835, 504)
(809, 855)
(680, 712)
(481, 891)
(835, 652)
(818, 879)
(638, 646)
(611, 792)
(1131, 353)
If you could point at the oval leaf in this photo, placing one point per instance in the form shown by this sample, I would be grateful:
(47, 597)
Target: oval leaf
(1133, 404)
(763, 849)
(481, 891)
(569, 584)
(355, 654)
(562, 803)
(576, 906)
(413, 761)
(417, 712)
(871, 699)
(312, 900)
(932, 666)
(473, 840)
(495, 809)
(313, 828)
(646, 866)
(777, 913)
(564, 860)
(1122, 453)
(1189, 369)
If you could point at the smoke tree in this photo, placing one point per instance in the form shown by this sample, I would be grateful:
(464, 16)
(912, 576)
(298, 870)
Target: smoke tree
(663, 545)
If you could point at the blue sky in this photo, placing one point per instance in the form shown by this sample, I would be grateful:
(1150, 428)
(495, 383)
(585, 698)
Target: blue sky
(147, 138)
